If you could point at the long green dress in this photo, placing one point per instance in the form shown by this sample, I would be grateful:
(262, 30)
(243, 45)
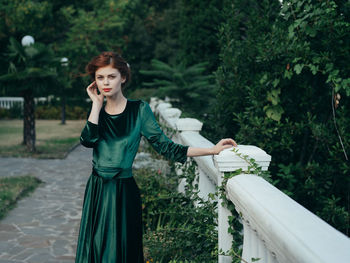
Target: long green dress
(111, 222)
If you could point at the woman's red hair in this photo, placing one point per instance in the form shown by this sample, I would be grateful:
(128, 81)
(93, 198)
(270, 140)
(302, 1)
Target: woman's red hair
(109, 58)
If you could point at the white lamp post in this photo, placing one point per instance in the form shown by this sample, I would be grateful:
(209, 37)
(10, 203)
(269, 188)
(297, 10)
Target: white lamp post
(64, 63)
(27, 41)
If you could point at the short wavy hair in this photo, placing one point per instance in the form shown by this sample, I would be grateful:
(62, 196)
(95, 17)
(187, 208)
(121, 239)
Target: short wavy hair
(107, 58)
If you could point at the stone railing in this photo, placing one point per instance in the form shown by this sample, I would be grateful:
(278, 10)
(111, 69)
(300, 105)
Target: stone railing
(275, 227)
(9, 102)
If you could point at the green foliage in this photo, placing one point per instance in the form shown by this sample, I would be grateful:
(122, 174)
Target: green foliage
(175, 229)
(282, 67)
(90, 32)
(54, 112)
(144, 94)
(15, 112)
(32, 67)
(199, 23)
(171, 31)
(188, 84)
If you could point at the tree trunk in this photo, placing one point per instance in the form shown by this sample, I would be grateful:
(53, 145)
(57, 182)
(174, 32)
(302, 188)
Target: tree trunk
(29, 121)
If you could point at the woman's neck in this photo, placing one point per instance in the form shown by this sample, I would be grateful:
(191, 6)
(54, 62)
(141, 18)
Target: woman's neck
(115, 103)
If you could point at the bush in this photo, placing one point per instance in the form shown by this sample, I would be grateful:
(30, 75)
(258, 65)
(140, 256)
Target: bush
(284, 86)
(54, 112)
(15, 112)
(174, 228)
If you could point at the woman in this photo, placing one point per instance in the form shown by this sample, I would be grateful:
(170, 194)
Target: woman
(111, 226)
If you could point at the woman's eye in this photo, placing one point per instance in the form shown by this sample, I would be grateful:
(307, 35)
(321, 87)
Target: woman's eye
(111, 77)
(100, 78)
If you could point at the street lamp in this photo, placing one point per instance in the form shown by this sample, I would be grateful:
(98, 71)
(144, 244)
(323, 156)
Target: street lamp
(64, 64)
(27, 41)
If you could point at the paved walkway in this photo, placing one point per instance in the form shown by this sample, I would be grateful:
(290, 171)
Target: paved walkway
(44, 226)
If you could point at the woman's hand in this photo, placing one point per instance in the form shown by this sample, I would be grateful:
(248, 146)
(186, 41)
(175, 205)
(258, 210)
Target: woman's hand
(92, 92)
(223, 144)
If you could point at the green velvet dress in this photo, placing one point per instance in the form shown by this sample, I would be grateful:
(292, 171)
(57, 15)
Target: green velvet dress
(111, 222)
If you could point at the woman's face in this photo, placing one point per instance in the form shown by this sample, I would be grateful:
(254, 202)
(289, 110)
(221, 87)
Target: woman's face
(108, 80)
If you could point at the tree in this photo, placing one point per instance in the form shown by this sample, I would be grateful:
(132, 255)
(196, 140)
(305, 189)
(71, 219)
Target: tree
(284, 86)
(32, 71)
(188, 84)
(199, 24)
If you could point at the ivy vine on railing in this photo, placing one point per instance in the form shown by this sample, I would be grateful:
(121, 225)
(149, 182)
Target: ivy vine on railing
(235, 226)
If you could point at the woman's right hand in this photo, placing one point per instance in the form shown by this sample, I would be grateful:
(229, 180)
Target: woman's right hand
(92, 92)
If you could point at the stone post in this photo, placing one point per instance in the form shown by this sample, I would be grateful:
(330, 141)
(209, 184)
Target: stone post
(229, 161)
(193, 126)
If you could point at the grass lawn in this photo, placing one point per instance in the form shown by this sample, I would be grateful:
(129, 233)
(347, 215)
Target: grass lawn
(14, 188)
(53, 140)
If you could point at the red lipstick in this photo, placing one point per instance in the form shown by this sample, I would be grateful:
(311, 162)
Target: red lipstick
(106, 90)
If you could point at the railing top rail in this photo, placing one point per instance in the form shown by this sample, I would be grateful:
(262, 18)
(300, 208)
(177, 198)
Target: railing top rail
(290, 230)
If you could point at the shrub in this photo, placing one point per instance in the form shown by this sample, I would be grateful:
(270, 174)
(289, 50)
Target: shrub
(284, 86)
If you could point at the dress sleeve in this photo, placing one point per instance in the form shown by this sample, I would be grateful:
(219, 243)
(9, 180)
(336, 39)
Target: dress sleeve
(89, 135)
(155, 136)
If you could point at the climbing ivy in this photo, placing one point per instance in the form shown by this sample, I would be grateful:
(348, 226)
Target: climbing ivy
(235, 226)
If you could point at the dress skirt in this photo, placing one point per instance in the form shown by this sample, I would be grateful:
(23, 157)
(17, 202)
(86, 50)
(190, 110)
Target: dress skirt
(111, 222)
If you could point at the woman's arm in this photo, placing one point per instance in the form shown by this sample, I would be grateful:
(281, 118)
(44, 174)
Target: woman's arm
(95, 111)
(151, 130)
(97, 102)
(90, 135)
(216, 149)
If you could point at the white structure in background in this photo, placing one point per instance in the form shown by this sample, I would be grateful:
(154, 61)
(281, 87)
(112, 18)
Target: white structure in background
(275, 227)
(9, 102)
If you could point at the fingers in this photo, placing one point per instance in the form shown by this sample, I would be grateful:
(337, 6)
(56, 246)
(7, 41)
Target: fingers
(92, 87)
(229, 141)
(92, 84)
(227, 146)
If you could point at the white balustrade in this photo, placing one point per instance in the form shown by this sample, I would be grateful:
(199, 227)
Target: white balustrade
(275, 227)
(278, 229)
(9, 102)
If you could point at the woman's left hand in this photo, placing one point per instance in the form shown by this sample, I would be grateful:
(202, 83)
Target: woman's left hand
(223, 144)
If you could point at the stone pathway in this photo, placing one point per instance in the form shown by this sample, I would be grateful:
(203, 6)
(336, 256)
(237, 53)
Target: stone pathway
(44, 226)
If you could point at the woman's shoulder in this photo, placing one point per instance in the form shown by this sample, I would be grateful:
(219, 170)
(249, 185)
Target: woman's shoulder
(135, 101)
(138, 105)
(138, 102)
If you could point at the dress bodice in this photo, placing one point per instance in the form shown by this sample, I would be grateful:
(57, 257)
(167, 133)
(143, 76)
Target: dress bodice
(116, 138)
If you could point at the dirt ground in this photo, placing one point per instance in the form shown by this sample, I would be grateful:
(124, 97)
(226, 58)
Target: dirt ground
(11, 131)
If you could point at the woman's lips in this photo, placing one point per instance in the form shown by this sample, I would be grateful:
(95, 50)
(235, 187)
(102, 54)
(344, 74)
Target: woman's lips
(106, 89)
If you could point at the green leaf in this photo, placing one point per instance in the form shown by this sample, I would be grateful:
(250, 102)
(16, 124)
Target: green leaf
(275, 83)
(263, 79)
(288, 74)
(310, 31)
(274, 112)
(273, 97)
(298, 68)
(291, 31)
(313, 69)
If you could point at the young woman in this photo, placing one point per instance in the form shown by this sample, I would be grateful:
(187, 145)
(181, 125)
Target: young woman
(111, 226)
